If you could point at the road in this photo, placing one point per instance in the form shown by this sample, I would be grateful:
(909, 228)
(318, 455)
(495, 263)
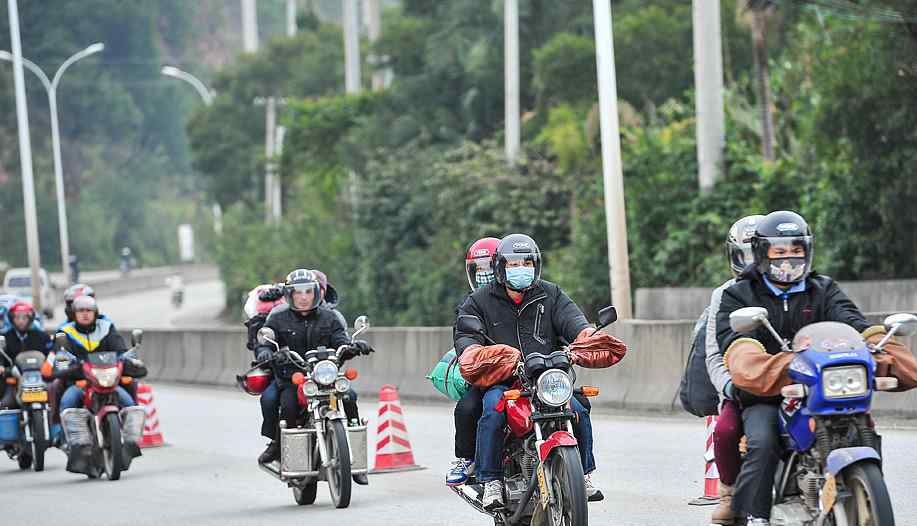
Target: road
(649, 467)
(203, 302)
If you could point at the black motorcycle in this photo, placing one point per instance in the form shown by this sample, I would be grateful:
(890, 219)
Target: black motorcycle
(32, 401)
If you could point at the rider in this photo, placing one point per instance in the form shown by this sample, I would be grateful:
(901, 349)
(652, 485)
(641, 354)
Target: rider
(72, 292)
(468, 410)
(728, 430)
(304, 325)
(22, 336)
(782, 281)
(520, 309)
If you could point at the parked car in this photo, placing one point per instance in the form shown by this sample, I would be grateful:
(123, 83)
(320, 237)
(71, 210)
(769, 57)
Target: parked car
(18, 281)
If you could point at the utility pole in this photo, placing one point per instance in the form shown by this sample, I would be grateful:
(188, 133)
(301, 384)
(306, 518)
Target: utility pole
(352, 80)
(25, 156)
(281, 133)
(249, 26)
(373, 12)
(270, 123)
(613, 177)
(708, 83)
(511, 74)
(291, 18)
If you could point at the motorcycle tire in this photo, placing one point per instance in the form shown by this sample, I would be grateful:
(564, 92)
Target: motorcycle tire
(306, 494)
(24, 459)
(869, 496)
(569, 488)
(338, 470)
(39, 441)
(112, 455)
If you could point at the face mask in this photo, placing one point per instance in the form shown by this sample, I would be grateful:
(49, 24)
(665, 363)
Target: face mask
(484, 278)
(520, 278)
(787, 270)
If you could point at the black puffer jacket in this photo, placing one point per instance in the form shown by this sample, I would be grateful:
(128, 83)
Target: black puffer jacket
(541, 323)
(321, 327)
(17, 342)
(822, 300)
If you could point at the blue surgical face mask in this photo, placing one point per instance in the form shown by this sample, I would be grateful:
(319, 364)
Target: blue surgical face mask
(520, 278)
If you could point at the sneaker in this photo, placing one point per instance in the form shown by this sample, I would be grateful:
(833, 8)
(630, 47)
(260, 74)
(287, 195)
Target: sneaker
(593, 494)
(458, 474)
(754, 521)
(361, 479)
(493, 495)
(271, 453)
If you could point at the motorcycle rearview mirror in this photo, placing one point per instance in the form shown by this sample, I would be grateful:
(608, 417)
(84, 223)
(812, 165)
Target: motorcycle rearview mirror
(606, 317)
(747, 319)
(136, 337)
(266, 335)
(360, 325)
(906, 324)
(60, 340)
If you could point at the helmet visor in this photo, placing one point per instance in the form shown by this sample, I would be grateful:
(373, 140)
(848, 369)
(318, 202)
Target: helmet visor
(479, 272)
(788, 259)
(304, 296)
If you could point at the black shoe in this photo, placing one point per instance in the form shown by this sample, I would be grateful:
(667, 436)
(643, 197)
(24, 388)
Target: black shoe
(271, 453)
(361, 479)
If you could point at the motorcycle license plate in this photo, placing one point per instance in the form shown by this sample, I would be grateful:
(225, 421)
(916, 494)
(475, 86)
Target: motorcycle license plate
(35, 396)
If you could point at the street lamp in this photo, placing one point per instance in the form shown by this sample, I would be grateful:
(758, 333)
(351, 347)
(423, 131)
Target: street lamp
(51, 88)
(206, 94)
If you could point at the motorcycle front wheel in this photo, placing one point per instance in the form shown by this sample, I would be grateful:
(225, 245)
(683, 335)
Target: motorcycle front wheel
(39, 440)
(338, 470)
(869, 503)
(111, 446)
(569, 488)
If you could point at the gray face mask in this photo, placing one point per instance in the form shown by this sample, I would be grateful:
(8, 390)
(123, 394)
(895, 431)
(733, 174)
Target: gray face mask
(787, 270)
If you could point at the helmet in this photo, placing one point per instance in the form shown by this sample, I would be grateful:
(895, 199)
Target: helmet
(255, 381)
(478, 261)
(783, 229)
(23, 307)
(738, 242)
(302, 280)
(78, 289)
(514, 248)
(85, 303)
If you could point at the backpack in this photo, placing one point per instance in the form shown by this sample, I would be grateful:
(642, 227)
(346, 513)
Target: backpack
(697, 393)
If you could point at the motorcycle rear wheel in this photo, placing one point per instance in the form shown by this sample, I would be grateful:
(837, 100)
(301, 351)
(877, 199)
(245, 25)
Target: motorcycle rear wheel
(305, 495)
(569, 488)
(39, 441)
(338, 470)
(25, 458)
(869, 503)
(112, 454)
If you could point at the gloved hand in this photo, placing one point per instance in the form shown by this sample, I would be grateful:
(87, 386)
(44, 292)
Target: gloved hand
(264, 355)
(272, 294)
(362, 347)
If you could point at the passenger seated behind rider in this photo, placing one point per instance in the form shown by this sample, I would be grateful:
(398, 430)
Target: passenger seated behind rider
(303, 326)
(22, 336)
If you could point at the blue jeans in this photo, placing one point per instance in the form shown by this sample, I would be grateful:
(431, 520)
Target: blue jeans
(489, 447)
(73, 397)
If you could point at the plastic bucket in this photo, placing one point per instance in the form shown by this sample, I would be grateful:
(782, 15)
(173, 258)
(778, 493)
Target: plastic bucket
(9, 425)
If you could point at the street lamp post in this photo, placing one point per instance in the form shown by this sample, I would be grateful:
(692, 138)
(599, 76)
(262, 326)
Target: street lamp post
(51, 88)
(206, 94)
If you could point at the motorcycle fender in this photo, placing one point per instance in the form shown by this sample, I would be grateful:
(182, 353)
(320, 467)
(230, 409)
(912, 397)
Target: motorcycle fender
(557, 439)
(841, 458)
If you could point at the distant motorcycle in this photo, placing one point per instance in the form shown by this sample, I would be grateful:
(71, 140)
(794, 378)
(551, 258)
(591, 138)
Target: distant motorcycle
(830, 472)
(25, 433)
(325, 447)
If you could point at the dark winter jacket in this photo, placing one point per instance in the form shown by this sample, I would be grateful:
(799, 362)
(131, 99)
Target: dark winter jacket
(546, 319)
(321, 327)
(17, 342)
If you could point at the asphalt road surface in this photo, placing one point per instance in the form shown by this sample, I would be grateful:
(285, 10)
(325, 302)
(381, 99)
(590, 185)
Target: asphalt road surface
(648, 466)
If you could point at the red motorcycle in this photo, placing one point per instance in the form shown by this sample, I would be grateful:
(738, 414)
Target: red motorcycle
(543, 475)
(111, 434)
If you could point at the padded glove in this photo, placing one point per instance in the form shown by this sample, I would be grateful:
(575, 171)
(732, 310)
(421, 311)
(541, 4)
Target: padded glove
(271, 294)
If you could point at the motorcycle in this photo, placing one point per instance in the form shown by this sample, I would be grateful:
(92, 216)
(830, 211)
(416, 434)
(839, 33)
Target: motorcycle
(32, 438)
(111, 434)
(830, 473)
(543, 474)
(324, 448)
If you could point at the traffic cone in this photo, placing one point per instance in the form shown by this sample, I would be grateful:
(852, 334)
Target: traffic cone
(711, 474)
(152, 436)
(393, 449)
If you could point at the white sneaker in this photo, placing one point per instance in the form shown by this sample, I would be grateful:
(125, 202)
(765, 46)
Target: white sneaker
(593, 494)
(493, 495)
(754, 521)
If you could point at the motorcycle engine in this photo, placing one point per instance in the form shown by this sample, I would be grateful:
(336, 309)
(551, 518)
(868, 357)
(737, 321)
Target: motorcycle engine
(791, 513)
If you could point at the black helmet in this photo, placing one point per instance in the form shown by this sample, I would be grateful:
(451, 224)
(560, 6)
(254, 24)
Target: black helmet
(783, 229)
(517, 247)
(738, 242)
(302, 280)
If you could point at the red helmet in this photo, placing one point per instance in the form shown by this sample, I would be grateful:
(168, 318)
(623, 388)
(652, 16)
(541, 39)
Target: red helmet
(255, 382)
(478, 267)
(22, 306)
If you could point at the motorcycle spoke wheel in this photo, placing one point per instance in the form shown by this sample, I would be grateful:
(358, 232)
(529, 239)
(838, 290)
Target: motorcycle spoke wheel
(338, 470)
(112, 455)
(869, 503)
(568, 486)
(39, 441)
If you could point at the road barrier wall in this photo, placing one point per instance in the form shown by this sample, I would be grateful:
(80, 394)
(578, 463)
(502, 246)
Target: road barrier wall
(152, 278)
(647, 378)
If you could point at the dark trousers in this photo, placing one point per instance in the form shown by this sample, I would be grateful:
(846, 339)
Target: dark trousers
(467, 412)
(754, 486)
(283, 396)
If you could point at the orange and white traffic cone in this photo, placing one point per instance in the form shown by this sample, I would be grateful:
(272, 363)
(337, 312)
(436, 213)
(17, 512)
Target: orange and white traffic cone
(152, 436)
(393, 448)
(711, 474)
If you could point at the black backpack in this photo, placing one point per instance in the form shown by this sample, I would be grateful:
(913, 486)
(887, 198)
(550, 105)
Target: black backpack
(697, 393)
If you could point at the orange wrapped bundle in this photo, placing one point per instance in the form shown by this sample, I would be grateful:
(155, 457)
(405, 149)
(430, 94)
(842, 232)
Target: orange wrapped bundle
(897, 361)
(485, 366)
(596, 351)
(754, 370)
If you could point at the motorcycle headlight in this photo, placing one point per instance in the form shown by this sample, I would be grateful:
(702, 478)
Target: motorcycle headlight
(325, 372)
(844, 382)
(342, 385)
(555, 388)
(309, 388)
(106, 377)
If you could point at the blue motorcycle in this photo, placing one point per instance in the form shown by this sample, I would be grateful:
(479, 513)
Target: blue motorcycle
(831, 471)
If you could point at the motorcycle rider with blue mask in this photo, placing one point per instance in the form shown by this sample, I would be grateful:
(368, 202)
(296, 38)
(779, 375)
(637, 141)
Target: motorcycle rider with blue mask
(520, 309)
